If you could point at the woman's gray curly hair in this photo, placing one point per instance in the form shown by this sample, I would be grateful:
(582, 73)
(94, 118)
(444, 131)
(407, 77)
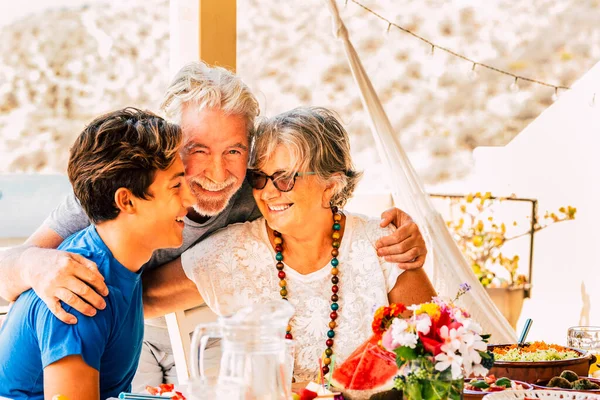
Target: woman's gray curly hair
(317, 142)
(210, 87)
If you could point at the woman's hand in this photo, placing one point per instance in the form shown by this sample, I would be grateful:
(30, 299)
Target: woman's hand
(405, 246)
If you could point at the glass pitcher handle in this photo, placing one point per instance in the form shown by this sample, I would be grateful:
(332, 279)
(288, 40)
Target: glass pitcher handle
(199, 340)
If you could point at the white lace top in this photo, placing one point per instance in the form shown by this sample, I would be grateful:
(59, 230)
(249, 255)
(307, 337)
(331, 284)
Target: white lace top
(236, 267)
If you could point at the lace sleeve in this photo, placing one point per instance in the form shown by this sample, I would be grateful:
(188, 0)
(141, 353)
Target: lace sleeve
(211, 264)
(373, 232)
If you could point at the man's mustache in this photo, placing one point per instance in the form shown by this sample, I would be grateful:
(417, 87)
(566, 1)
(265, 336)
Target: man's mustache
(211, 186)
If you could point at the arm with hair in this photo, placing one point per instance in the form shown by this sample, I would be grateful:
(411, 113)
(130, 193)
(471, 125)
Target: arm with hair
(168, 289)
(412, 287)
(54, 275)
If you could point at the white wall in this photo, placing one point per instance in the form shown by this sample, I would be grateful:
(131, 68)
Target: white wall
(556, 159)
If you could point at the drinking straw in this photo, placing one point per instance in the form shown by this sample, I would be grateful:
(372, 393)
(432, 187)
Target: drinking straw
(139, 396)
(331, 371)
(321, 371)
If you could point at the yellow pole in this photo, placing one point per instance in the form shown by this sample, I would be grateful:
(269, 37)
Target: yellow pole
(217, 31)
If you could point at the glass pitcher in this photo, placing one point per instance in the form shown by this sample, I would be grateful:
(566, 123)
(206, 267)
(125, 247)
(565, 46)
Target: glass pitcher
(253, 350)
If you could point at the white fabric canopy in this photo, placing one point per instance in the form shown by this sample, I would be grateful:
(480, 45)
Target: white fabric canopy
(450, 268)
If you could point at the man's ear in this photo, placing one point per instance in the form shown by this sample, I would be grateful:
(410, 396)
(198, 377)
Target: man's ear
(125, 200)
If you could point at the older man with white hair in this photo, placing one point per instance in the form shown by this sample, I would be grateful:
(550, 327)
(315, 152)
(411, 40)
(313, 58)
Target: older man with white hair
(216, 111)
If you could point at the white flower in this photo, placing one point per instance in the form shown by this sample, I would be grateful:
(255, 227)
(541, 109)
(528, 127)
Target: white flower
(479, 370)
(423, 323)
(401, 336)
(454, 338)
(472, 326)
(446, 360)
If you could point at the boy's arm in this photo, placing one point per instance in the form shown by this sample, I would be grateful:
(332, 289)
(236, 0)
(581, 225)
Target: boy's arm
(54, 275)
(73, 378)
(167, 289)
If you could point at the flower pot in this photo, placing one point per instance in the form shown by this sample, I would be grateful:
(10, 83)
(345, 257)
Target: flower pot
(509, 301)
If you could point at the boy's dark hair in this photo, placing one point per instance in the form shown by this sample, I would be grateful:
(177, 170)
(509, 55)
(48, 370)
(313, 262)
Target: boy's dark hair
(123, 148)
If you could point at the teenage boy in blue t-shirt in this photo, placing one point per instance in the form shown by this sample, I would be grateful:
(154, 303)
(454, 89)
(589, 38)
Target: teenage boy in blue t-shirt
(128, 177)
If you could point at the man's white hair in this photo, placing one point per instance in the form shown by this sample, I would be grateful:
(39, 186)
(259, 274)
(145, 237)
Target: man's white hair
(206, 87)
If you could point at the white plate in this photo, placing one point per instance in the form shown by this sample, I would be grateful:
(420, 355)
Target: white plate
(540, 394)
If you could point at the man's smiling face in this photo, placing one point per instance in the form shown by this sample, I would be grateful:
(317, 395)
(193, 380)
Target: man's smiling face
(215, 155)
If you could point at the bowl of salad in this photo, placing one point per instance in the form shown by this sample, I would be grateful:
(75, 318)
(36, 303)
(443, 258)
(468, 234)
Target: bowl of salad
(538, 361)
(476, 388)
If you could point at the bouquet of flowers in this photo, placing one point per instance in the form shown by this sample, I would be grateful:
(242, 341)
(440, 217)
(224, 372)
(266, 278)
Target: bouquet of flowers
(435, 348)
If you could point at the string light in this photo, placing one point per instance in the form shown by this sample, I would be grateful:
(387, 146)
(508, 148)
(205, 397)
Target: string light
(455, 54)
(555, 95)
(514, 87)
(473, 74)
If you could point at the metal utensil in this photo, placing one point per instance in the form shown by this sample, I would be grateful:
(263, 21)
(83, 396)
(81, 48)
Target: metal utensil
(525, 332)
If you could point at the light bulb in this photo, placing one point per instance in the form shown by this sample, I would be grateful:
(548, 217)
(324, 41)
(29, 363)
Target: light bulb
(473, 74)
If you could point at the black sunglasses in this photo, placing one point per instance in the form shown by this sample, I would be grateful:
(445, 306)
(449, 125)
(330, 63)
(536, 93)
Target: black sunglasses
(281, 179)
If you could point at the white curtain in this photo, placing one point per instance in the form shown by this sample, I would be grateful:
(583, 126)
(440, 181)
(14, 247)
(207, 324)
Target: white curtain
(450, 268)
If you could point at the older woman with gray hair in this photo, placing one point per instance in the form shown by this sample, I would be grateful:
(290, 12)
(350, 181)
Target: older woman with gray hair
(306, 248)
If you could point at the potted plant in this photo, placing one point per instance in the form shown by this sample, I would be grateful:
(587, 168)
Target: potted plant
(481, 236)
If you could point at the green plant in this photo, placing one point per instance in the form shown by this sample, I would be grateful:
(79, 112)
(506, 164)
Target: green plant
(481, 237)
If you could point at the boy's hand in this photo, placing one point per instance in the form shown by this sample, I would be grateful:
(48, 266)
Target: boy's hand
(57, 275)
(405, 246)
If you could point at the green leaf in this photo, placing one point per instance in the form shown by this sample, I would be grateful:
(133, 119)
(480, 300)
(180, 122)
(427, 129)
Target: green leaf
(456, 390)
(435, 390)
(505, 382)
(405, 353)
(480, 384)
(484, 354)
(413, 390)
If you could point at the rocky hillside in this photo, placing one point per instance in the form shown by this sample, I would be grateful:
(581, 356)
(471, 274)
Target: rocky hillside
(61, 67)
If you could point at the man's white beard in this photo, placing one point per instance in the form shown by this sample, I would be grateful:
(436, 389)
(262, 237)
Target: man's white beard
(212, 207)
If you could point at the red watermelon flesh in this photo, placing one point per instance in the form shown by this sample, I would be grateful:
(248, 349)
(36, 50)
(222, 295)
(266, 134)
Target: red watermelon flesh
(369, 367)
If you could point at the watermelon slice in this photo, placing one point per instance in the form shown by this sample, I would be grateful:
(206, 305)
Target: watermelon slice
(368, 370)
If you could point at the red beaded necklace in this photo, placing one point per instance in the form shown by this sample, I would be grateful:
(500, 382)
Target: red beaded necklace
(337, 217)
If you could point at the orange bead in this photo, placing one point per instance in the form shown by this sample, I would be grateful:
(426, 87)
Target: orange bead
(289, 328)
(334, 271)
(337, 217)
(278, 240)
(336, 235)
(332, 325)
(327, 361)
(282, 283)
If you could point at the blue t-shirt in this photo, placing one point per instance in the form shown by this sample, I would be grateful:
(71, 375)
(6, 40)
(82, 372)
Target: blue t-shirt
(32, 338)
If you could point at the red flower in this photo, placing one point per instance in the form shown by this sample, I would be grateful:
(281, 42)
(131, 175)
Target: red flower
(384, 316)
(432, 342)
(432, 345)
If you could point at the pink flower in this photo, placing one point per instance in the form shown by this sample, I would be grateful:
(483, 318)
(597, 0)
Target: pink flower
(387, 340)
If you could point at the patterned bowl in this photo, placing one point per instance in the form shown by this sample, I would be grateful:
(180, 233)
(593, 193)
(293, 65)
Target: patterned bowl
(476, 394)
(540, 395)
(534, 371)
